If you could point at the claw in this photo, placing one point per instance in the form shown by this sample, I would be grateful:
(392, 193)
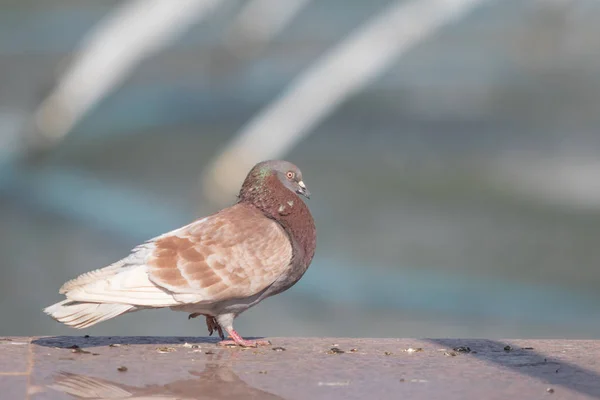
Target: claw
(211, 324)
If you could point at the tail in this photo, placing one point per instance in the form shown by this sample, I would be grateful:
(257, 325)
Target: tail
(83, 315)
(105, 293)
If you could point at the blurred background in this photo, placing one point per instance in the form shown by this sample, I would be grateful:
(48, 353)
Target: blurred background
(452, 149)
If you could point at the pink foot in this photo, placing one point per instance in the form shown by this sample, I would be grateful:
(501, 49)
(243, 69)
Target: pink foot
(237, 340)
(244, 343)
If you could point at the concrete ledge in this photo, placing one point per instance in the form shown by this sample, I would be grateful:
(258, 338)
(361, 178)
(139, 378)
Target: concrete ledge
(297, 368)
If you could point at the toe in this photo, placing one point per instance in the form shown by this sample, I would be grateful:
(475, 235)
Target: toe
(244, 343)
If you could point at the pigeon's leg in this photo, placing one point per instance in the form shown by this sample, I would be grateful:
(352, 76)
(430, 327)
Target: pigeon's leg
(226, 321)
(213, 325)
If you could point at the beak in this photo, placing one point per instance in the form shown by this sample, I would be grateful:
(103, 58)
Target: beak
(303, 190)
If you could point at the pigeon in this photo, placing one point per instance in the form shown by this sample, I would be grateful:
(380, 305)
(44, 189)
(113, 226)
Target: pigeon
(217, 266)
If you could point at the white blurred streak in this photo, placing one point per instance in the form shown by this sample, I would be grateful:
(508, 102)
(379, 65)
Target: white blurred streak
(260, 21)
(564, 180)
(312, 96)
(132, 32)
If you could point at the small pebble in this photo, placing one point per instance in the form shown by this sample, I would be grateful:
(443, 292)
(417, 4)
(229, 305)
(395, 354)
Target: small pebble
(344, 383)
(209, 352)
(450, 354)
(87, 336)
(462, 349)
(262, 372)
(507, 348)
(550, 390)
(388, 353)
(122, 369)
(78, 350)
(335, 350)
(114, 345)
(278, 349)
(165, 350)
(411, 350)
(353, 350)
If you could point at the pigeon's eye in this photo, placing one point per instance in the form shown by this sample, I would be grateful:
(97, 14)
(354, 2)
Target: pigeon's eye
(290, 175)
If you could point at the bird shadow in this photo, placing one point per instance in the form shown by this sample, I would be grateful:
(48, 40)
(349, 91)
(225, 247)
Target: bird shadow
(67, 342)
(527, 361)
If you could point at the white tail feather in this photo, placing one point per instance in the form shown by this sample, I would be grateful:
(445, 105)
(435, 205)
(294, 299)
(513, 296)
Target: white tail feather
(121, 287)
(135, 258)
(83, 315)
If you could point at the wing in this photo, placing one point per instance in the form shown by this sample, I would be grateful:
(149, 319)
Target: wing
(235, 253)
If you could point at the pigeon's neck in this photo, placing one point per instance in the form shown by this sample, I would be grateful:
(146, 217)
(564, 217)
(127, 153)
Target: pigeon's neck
(286, 207)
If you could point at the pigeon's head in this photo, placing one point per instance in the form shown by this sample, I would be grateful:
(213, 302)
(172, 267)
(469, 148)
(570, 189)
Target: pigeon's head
(271, 175)
(274, 187)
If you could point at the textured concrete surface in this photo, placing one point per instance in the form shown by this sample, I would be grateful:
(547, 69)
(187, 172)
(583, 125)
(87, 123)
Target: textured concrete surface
(195, 368)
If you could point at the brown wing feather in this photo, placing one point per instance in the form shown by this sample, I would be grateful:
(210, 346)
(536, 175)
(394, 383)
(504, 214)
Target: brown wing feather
(237, 252)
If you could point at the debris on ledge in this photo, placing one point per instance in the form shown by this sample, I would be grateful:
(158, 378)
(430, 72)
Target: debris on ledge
(67, 367)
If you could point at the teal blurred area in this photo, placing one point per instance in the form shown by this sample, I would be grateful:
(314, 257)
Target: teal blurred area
(457, 195)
